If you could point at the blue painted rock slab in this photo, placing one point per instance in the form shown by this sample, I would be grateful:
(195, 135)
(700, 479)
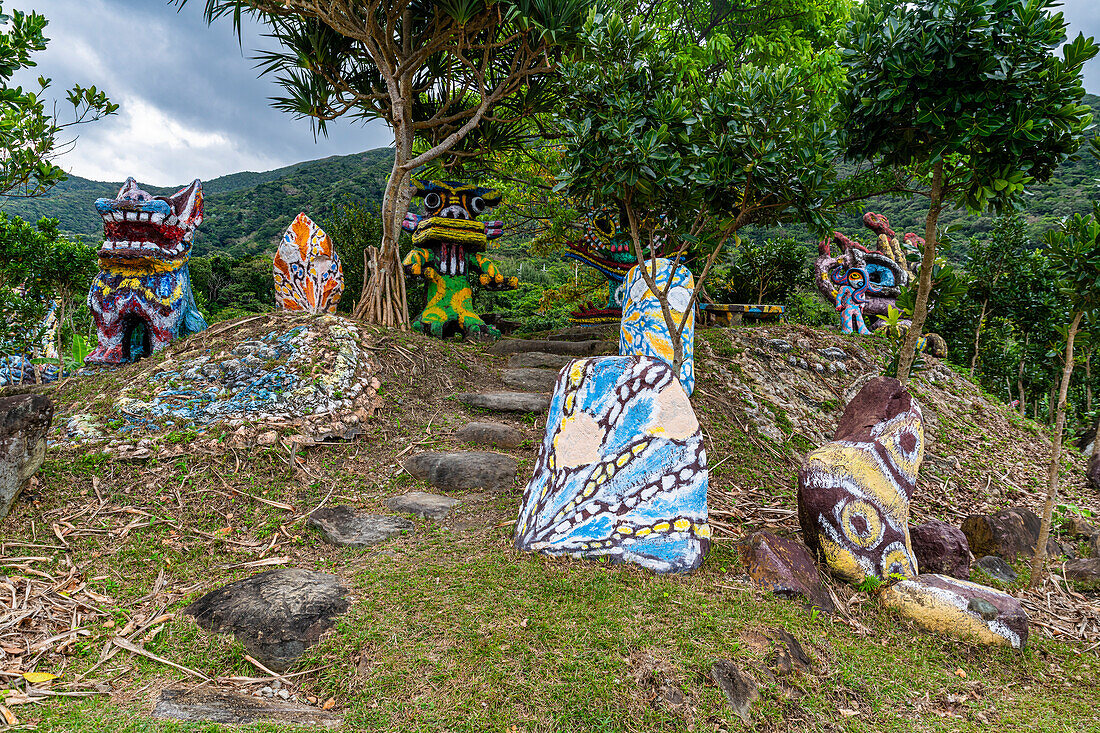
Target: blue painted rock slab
(644, 331)
(622, 471)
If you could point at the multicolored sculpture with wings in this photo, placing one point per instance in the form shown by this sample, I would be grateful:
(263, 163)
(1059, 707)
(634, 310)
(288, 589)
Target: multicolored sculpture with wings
(864, 284)
(606, 247)
(449, 245)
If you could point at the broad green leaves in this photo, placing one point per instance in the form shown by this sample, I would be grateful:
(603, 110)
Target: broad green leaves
(28, 133)
(969, 82)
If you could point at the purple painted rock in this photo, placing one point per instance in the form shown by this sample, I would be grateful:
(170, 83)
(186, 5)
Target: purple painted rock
(941, 548)
(959, 608)
(786, 568)
(24, 421)
(1006, 534)
(853, 493)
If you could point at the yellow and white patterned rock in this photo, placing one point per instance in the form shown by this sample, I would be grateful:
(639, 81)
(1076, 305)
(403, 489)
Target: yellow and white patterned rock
(645, 332)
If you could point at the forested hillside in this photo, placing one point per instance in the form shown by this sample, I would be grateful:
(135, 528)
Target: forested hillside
(245, 212)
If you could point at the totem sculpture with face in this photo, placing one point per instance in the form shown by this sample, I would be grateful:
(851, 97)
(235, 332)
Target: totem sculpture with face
(884, 270)
(142, 296)
(606, 247)
(850, 299)
(449, 246)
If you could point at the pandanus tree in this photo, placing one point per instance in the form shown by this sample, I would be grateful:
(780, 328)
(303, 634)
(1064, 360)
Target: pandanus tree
(441, 73)
(969, 97)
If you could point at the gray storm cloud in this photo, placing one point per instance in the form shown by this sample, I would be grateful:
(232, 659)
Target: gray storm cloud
(191, 103)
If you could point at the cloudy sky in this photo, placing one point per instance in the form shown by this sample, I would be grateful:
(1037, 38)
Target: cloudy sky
(191, 105)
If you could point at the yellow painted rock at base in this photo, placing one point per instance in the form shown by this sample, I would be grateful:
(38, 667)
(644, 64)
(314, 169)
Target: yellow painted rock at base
(959, 608)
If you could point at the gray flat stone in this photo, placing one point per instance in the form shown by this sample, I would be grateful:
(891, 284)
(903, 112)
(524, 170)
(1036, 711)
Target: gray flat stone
(233, 708)
(506, 401)
(489, 433)
(531, 380)
(341, 525)
(276, 615)
(539, 360)
(570, 348)
(996, 568)
(463, 469)
(423, 504)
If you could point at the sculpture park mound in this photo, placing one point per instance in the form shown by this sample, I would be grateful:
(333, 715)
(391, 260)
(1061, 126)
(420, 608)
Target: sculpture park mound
(171, 477)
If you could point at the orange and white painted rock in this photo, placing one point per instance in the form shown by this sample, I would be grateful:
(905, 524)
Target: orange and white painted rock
(308, 275)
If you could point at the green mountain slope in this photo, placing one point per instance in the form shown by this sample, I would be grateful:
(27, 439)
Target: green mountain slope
(1074, 185)
(246, 212)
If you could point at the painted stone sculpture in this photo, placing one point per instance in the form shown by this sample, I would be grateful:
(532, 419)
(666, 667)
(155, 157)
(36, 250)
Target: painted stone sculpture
(607, 248)
(853, 505)
(449, 246)
(864, 284)
(308, 275)
(29, 367)
(853, 493)
(622, 471)
(142, 296)
(947, 605)
(644, 331)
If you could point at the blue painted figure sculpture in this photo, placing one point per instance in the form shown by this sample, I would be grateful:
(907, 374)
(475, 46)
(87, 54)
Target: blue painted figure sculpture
(644, 330)
(142, 296)
(850, 299)
(622, 471)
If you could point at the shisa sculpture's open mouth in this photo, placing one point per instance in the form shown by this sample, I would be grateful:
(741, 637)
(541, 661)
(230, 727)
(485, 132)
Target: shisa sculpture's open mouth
(139, 225)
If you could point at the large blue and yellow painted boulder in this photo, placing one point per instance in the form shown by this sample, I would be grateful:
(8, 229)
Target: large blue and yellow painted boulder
(622, 472)
(644, 330)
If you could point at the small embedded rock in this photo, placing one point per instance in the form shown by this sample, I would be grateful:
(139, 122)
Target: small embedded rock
(423, 504)
(341, 525)
(463, 469)
(997, 569)
(489, 433)
(738, 687)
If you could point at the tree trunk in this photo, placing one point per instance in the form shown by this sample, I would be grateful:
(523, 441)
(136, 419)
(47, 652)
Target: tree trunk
(384, 300)
(977, 337)
(1020, 377)
(924, 289)
(1039, 560)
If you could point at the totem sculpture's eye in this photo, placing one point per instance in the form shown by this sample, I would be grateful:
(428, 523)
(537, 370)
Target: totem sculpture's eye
(477, 205)
(432, 201)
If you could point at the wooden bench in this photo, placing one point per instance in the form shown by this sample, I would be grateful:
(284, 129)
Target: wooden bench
(731, 314)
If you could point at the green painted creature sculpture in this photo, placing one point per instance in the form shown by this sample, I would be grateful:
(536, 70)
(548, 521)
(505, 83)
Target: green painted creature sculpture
(449, 247)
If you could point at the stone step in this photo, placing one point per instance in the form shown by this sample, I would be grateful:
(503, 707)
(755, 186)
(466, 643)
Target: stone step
(423, 504)
(506, 401)
(343, 526)
(456, 470)
(569, 348)
(602, 331)
(489, 433)
(530, 380)
(233, 708)
(538, 360)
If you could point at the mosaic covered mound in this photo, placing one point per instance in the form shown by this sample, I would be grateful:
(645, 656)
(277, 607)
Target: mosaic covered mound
(308, 274)
(853, 493)
(141, 300)
(622, 471)
(644, 330)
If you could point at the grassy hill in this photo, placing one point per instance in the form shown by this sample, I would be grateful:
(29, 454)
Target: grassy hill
(246, 212)
(452, 629)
